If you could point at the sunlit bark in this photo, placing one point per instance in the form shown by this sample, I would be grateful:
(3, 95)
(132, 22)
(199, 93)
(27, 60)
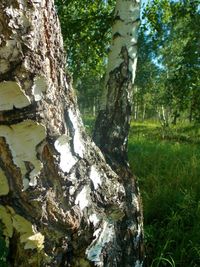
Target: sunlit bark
(113, 122)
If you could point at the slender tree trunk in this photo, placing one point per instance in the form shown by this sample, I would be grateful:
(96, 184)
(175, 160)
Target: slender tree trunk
(176, 115)
(135, 102)
(61, 204)
(136, 112)
(191, 113)
(113, 121)
(164, 116)
(94, 107)
(143, 112)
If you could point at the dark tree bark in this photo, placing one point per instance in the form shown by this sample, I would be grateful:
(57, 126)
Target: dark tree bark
(61, 204)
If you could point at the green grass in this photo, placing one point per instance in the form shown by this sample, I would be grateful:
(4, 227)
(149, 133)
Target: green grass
(89, 122)
(167, 164)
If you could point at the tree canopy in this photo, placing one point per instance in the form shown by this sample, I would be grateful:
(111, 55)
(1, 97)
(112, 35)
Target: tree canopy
(167, 80)
(86, 27)
(171, 35)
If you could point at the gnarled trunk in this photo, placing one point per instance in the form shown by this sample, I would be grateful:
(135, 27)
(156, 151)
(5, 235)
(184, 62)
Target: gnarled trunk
(61, 204)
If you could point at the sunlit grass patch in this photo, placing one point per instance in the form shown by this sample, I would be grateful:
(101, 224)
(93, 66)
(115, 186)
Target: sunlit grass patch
(168, 171)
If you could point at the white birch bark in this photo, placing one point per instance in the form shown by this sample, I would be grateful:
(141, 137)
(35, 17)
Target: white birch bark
(113, 122)
(61, 204)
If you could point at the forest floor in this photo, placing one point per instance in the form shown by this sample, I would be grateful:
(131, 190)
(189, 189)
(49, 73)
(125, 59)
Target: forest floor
(166, 162)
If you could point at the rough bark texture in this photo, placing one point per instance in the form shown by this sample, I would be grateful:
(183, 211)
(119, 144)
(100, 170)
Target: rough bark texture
(61, 204)
(113, 122)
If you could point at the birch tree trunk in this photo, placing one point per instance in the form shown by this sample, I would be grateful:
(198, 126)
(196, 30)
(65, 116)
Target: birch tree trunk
(113, 121)
(61, 204)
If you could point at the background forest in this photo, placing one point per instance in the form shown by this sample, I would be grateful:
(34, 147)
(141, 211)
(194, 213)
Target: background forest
(164, 142)
(167, 80)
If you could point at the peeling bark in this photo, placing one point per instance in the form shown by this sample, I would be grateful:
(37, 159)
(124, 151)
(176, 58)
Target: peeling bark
(61, 204)
(113, 121)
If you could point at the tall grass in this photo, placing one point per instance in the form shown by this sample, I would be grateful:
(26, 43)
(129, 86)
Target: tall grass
(168, 169)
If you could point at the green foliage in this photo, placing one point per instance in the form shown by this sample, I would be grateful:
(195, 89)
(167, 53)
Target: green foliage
(89, 122)
(171, 30)
(168, 169)
(89, 90)
(86, 28)
(147, 91)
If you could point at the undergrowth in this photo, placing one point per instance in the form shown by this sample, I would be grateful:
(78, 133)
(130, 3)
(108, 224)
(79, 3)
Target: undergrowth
(167, 164)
